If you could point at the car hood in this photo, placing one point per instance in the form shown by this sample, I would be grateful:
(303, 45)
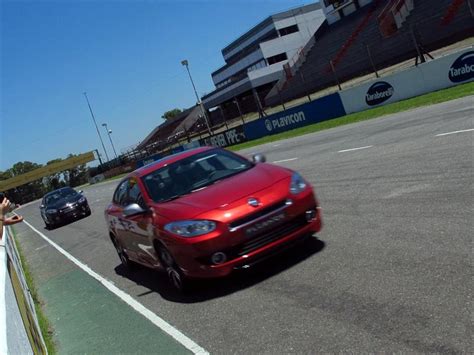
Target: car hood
(62, 202)
(223, 192)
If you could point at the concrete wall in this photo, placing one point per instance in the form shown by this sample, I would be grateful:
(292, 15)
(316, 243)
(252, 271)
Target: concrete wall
(248, 41)
(433, 75)
(241, 64)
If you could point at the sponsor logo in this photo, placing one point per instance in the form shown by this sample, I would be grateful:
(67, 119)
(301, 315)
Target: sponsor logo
(253, 202)
(266, 224)
(268, 125)
(285, 121)
(462, 68)
(230, 137)
(379, 92)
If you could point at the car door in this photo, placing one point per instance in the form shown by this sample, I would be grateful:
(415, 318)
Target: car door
(139, 232)
(115, 213)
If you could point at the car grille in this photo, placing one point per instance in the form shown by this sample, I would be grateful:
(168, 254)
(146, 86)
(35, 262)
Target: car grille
(262, 239)
(253, 216)
(267, 237)
(69, 209)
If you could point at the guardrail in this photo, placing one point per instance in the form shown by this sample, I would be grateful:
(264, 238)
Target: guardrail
(12, 276)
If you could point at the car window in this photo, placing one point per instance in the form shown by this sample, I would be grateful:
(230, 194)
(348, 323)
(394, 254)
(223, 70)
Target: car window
(53, 198)
(135, 194)
(121, 193)
(67, 192)
(193, 173)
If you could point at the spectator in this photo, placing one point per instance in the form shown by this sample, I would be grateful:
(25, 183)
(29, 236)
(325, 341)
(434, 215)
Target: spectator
(5, 207)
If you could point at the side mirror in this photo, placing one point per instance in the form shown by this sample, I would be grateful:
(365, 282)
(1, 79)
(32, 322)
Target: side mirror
(133, 210)
(81, 192)
(42, 206)
(259, 158)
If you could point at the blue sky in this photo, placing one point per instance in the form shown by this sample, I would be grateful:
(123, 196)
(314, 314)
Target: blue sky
(125, 54)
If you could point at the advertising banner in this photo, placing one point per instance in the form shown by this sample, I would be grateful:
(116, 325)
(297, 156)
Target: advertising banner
(437, 74)
(227, 138)
(322, 109)
(46, 170)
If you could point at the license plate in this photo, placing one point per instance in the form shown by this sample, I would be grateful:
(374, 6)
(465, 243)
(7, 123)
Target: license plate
(266, 224)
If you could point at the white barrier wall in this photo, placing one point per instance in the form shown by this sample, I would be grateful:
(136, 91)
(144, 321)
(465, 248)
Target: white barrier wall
(3, 308)
(440, 73)
(13, 340)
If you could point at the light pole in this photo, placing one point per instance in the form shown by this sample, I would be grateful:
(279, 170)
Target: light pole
(109, 131)
(203, 111)
(97, 128)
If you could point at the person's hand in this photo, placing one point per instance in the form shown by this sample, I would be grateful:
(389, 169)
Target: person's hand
(4, 207)
(12, 220)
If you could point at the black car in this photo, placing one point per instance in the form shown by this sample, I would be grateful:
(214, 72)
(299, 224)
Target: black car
(63, 205)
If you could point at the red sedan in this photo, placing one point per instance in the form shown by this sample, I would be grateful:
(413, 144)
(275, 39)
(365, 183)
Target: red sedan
(207, 211)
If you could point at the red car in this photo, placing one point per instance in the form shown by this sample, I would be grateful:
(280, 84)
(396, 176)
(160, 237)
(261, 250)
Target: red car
(207, 211)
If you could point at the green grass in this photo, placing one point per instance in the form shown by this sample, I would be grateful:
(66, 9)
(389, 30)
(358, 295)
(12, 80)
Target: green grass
(44, 324)
(418, 101)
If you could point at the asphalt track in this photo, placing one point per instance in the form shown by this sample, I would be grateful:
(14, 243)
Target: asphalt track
(390, 272)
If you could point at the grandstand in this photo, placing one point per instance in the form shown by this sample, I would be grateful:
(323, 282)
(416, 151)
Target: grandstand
(360, 43)
(358, 37)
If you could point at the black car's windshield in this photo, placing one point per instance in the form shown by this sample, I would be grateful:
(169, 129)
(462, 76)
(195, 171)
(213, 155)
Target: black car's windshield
(58, 195)
(193, 173)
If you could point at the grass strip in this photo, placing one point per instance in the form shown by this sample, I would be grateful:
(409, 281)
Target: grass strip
(400, 106)
(45, 325)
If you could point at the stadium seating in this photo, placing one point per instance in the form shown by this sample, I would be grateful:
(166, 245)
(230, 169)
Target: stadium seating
(347, 43)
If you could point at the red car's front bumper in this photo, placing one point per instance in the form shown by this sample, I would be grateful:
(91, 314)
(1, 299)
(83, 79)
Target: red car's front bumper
(194, 256)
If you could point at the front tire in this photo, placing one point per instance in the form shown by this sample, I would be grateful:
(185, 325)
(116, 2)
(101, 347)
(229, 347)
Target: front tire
(175, 276)
(47, 224)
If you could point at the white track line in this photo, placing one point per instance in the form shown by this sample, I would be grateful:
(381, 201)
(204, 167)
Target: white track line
(284, 160)
(159, 322)
(454, 132)
(352, 149)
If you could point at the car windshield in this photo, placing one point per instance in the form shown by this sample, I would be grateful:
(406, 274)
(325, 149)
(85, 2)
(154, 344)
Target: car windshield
(193, 173)
(58, 195)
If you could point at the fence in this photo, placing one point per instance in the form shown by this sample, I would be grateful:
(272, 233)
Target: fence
(13, 276)
(434, 75)
(357, 46)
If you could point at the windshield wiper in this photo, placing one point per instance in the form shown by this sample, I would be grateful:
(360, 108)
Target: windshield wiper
(171, 198)
(177, 196)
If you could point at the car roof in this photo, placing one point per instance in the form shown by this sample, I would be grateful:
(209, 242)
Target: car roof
(57, 190)
(167, 160)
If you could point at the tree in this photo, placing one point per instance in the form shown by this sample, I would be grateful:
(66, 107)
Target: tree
(171, 113)
(76, 176)
(27, 192)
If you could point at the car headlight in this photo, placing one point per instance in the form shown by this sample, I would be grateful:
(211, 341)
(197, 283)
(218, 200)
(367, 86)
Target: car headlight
(51, 210)
(190, 228)
(297, 184)
(82, 200)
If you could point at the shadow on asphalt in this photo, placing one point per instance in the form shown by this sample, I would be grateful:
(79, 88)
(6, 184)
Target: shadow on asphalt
(204, 290)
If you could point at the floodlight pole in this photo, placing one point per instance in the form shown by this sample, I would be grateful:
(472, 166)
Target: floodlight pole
(109, 131)
(97, 128)
(203, 111)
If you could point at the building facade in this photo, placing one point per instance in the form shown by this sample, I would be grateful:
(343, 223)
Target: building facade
(334, 10)
(254, 61)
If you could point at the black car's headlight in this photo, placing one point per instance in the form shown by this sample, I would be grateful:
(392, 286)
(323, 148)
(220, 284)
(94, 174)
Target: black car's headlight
(82, 200)
(297, 184)
(192, 228)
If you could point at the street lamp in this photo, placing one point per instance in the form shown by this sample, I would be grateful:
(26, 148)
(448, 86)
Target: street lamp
(97, 128)
(109, 131)
(203, 111)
